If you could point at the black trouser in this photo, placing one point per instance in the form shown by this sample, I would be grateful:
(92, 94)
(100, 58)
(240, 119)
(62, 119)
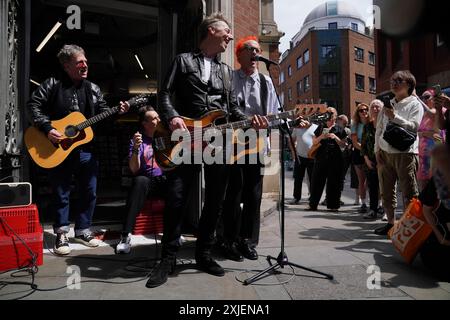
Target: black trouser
(142, 187)
(373, 183)
(305, 165)
(327, 170)
(179, 185)
(245, 186)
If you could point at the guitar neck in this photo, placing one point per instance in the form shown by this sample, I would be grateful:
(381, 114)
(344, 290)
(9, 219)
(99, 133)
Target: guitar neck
(244, 124)
(97, 118)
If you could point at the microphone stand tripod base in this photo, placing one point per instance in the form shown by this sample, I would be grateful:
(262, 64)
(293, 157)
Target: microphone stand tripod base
(282, 261)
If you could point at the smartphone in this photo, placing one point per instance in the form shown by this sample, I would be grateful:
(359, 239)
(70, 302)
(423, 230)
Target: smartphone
(437, 90)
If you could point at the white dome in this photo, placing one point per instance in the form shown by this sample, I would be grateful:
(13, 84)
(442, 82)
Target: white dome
(343, 9)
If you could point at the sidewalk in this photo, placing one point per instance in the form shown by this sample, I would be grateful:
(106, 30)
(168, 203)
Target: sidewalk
(341, 244)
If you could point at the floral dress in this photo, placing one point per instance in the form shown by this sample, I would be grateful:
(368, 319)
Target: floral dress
(426, 144)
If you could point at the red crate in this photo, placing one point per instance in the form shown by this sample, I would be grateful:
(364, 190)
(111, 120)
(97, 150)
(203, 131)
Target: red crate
(20, 219)
(15, 255)
(150, 218)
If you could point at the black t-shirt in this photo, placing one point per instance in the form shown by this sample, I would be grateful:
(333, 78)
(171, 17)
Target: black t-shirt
(330, 145)
(81, 97)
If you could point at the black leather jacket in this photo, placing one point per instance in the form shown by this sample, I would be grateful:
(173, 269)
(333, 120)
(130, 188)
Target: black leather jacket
(54, 99)
(184, 93)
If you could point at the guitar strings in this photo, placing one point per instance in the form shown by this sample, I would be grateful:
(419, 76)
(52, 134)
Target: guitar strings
(167, 139)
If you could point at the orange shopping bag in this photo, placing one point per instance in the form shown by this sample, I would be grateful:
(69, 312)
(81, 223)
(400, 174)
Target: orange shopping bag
(410, 232)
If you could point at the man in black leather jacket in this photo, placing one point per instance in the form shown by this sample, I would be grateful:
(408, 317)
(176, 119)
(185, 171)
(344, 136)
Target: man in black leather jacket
(55, 99)
(195, 84)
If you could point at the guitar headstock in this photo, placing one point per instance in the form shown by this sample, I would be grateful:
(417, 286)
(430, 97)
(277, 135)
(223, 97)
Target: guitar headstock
(306, 110)
(320, 117)
(139, 100)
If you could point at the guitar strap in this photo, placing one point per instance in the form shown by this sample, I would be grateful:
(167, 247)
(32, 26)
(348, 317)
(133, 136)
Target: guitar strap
(264, 92)
(226, 84)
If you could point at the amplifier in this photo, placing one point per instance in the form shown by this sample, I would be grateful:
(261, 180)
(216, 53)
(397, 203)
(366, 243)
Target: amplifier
(15, 194)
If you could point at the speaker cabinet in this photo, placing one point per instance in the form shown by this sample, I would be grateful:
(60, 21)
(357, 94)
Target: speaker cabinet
(15, 194)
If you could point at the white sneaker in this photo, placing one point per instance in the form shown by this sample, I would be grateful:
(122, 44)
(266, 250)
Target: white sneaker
(124, 245)
(61, 246)
(384, 218)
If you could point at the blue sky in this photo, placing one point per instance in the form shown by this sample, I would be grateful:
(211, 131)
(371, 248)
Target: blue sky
(290, 14)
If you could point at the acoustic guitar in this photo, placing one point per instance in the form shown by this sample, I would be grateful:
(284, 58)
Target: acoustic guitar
(315, 147)
(76, 131)
(167, 150)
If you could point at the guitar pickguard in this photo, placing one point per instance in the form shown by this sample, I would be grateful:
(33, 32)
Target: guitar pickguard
(66, 143)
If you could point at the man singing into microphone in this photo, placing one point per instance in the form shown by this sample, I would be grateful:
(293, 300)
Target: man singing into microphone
(256, 95)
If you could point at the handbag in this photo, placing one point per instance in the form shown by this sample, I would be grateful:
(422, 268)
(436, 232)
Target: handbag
(411, 231)
(399, 137)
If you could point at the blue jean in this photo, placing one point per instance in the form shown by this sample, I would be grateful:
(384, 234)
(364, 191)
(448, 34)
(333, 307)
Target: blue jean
(83, 166)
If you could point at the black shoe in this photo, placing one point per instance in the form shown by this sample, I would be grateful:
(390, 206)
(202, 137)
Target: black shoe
(61, 244)
(310, 208)
(208, 265)
(294, 201)
(333, 209)
(248, 252)
(363, 208)
(230, 252)
(160, 272)
(382, 231)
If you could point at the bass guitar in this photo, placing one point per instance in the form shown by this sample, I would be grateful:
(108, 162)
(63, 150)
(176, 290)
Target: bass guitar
(166, 150)
(75, 130)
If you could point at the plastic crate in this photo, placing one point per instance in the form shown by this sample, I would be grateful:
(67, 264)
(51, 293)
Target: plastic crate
(21, 219)
(150, 218)
(15, 255)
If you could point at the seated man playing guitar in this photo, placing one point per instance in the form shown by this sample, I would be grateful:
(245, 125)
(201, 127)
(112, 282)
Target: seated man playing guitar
(55, 99)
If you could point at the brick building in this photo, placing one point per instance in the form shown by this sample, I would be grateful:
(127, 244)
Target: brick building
(331, 59)
(421, 44)
(426, 56)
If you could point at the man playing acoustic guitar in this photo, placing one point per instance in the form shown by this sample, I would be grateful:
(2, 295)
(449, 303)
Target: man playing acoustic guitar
(55, 99)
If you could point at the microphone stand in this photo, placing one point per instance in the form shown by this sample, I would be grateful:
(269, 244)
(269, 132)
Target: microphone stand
(282, 259)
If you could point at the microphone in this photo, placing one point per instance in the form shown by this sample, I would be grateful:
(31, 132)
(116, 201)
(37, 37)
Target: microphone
(263, 59)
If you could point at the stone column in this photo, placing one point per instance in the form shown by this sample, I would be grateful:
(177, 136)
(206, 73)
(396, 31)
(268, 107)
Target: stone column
(226, 7)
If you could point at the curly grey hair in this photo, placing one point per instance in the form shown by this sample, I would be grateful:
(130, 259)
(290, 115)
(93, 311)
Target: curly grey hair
(67, 52)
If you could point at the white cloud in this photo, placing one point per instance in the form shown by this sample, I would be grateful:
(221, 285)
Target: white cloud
(290, 14)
